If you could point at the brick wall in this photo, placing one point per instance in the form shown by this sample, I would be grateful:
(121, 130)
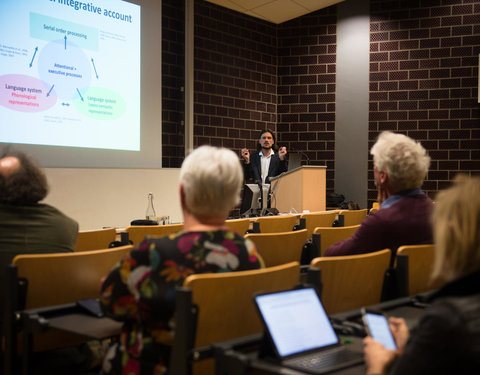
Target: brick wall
(235, 77)
(243, 68)
(306, 88)
(173, 73)
(251, 74)
(424, 82)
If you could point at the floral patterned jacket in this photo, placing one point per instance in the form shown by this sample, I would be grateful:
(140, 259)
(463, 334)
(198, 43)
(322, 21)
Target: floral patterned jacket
(140, 291)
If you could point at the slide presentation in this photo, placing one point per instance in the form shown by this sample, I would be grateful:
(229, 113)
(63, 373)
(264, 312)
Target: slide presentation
(70, 73)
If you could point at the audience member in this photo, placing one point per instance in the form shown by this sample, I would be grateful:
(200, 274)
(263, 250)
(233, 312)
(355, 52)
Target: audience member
(447, 338)
(27, 226)
(400, 166)
(141, 290)
(264, 164)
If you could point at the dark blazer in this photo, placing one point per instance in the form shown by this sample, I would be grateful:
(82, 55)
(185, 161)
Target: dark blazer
(253, 170)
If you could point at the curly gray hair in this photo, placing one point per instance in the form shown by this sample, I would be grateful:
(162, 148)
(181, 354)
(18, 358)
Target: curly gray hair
(405, 160)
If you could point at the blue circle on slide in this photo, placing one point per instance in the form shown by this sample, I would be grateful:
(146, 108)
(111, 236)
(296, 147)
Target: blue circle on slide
(65, 67)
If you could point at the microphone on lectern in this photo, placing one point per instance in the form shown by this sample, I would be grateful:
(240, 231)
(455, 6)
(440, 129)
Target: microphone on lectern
(260, 186)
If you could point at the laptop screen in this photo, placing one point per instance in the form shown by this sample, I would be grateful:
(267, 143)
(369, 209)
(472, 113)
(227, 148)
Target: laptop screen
(294, 160)
(296, 321)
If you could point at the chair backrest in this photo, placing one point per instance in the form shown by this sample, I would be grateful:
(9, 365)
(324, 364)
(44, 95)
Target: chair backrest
(95, 239)
(65, 277)
(239, 225)
(136, 233)
(60, 278)
(352, 281)
(332, 235)
(318, 219)
(279, 248)
(278, 223)
(375, 207)
(353, 217)
(420, 266)
(225, 308)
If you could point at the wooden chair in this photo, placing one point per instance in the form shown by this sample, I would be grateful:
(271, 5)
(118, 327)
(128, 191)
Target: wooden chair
(136, 233)
(66, 277)
(332, 235)
(60, 278)
(352, 281)
(415, 262)
(279, 248)
(239, 225)
(275, 224)
(375, 207)
(218, 306)
(318, 219)
(95, 239)
(353, 217)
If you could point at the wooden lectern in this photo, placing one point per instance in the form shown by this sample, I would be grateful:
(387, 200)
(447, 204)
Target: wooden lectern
(300, 189)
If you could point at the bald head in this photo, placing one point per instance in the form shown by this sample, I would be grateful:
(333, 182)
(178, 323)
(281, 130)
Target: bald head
(22, 182)
(9, 165)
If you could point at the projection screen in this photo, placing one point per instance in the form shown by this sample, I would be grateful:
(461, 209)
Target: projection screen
(80, 82)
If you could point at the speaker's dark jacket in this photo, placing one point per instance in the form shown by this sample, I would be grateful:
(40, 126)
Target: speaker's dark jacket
(253, 170)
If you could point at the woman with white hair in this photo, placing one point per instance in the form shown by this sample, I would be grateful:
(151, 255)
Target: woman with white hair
(447, 338)
(400, 166)
(141, 289)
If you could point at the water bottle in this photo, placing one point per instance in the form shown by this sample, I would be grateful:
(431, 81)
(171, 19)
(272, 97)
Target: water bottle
(150, 214)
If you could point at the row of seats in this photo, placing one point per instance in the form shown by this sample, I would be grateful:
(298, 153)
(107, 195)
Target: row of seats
(101, 238)
(345, 283)
(75, 276)
(339, 282)
(290, 242)
(285, 223)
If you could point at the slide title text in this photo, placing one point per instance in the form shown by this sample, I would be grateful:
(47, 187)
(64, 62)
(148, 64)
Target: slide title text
(89, 7)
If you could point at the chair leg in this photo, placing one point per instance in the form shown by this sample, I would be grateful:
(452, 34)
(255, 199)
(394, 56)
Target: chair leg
(27, 353)
(314, 278)
(185, 318)
(9, 321)
(403, 286)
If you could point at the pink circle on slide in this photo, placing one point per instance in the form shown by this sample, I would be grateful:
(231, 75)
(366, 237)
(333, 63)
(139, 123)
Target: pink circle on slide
(25, 94)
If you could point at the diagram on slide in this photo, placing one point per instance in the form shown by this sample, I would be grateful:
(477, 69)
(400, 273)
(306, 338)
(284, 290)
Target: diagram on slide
(70, 73)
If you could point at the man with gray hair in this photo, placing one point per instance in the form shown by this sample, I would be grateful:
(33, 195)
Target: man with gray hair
(400, 167)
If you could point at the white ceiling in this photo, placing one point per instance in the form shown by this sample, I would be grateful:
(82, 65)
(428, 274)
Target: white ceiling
(275, 11)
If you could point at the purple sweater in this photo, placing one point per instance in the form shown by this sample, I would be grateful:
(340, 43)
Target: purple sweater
(407, 222)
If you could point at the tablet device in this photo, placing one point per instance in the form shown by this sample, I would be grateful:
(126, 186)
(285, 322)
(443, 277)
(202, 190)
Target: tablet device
(377, 326)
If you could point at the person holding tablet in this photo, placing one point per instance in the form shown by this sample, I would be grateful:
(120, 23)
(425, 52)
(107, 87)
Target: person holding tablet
(447, 337)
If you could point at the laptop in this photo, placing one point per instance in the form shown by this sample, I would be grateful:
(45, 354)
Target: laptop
(300, 333)
(294, 160)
